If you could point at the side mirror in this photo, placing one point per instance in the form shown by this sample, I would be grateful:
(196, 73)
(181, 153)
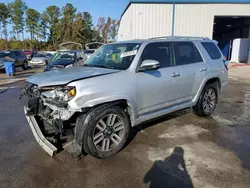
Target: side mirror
(149, 65)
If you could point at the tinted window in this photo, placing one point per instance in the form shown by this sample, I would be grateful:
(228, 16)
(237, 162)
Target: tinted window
(17, 53)
(212, 50)
(89, 51)
(186, 53)
(49, 55)
(4, 54)
(160, 51)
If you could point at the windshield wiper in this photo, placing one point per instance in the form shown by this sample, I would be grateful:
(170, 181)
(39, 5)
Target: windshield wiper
(99, 66)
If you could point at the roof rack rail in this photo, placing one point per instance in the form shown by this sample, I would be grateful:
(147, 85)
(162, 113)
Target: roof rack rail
(181, 37)
(163, 37)
(188, 37)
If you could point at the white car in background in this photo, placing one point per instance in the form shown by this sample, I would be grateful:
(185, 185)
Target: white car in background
(41, 59)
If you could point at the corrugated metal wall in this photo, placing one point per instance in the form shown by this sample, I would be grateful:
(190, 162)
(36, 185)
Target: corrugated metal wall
(142, 21)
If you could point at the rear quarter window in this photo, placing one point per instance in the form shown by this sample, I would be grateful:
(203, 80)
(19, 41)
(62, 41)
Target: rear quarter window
(212, 50)
(186, 53)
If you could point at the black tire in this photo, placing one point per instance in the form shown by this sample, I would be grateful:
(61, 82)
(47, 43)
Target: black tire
(46, 62)
(86, 126)
(25, 65)
(199, 108)
(12, 74)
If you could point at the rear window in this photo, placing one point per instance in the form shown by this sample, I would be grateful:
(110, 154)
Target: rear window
(212, 50)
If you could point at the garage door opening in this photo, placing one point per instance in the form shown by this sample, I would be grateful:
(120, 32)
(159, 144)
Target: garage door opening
(228, 28)
(231, 27)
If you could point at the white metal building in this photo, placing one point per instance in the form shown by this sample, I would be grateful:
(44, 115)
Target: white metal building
(218, 19)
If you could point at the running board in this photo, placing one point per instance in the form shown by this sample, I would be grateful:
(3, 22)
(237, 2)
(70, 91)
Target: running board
(42, 141)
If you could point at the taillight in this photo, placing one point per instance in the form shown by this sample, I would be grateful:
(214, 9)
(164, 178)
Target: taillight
(225, 62)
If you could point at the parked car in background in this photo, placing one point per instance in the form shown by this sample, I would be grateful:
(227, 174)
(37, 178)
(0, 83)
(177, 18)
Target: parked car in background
(16, 56)
(89, 53)
(29, 53)
(41, 59)
(121, 86)
(65, 59)
(91, 48)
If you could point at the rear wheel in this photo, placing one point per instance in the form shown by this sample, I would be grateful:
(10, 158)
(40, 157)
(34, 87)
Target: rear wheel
(207, 101)
(25, 65)
(105, 131)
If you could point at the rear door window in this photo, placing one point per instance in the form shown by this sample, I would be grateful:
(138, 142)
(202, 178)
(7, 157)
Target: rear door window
(17, 53)
(159, 51)
(212, 50)
(186, 53)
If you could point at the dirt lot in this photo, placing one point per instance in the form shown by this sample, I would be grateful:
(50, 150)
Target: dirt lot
(179, 150)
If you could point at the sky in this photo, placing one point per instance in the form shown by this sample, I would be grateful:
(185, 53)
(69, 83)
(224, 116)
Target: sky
(96, 8)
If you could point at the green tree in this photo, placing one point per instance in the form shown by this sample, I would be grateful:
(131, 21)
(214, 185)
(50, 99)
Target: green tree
(53, 13)
(88, 25)
(32, 22)
(18, 8)
(78, 29)
(43, 27)
(96, 36)
(68, 12)
(4, 15)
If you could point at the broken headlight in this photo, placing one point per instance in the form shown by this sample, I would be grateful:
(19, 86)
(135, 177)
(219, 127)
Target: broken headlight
(65, 93)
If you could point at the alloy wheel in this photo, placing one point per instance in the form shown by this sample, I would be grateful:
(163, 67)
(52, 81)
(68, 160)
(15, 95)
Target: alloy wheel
(209, 101)
(108, 132)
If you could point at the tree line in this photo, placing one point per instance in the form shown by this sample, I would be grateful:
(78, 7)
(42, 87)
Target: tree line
(51, 27)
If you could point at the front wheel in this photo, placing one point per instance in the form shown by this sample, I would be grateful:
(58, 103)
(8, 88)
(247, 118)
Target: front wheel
(104, 132)
(207, 101)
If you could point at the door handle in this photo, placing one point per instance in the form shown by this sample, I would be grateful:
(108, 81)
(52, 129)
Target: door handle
(203, 69)
(175, 74)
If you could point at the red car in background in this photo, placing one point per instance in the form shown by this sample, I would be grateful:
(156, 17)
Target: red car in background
(29, 53)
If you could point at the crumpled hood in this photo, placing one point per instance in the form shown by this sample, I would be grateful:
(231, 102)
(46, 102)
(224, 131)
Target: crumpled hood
(64, 76)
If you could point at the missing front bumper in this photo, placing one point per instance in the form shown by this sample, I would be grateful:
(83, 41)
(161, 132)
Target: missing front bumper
(42, 141)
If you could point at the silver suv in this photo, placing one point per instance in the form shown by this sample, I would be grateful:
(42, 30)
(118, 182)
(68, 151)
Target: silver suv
(122, 85)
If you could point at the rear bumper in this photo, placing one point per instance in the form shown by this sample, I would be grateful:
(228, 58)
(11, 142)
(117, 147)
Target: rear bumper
(42, 141)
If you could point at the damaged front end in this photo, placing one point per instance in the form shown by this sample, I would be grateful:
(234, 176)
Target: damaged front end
(51, 119)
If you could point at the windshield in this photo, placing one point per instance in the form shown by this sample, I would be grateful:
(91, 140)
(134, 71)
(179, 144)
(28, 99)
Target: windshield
(4, 54)
(115, 56)
(64, 56)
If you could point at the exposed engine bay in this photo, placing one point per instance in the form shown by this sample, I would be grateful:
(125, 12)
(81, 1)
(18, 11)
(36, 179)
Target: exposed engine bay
(52, 116)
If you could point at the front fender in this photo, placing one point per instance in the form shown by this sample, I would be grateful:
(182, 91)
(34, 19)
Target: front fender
(83, 103)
